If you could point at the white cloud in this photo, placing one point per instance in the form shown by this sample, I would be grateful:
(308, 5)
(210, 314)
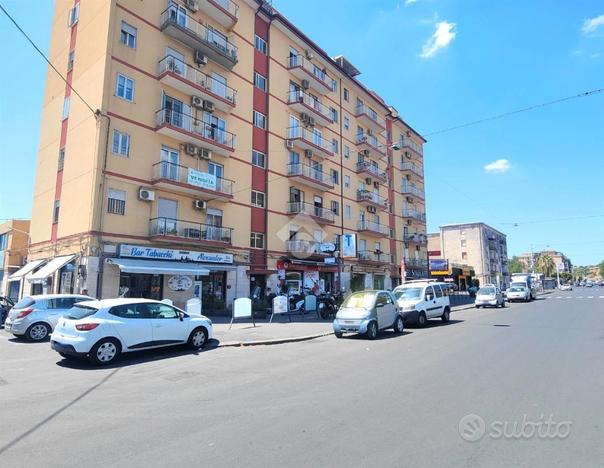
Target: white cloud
(410, 2)
(592, 25)
(442, 37)
(498, 167)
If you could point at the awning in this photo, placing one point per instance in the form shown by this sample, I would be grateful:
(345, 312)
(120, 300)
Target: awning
(28, 268)
(50, 268)
(157, 267)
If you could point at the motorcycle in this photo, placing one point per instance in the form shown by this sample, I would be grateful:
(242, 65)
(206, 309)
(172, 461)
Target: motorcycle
(327, 306)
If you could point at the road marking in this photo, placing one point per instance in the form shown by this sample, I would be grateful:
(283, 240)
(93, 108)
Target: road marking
(559, 297)
(579, 297)
(590, 297)
(601, 297)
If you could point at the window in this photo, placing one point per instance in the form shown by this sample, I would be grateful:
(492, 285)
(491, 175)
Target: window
(335, 176)
(347, 181)
(130, 311)
(258, 199)
(116, 202)
(55, 211)
(334, 145)
(346, 122)
(335, 207)
(256, 240)
(438, 291)
(258, 158)
(70, 60)
(334, 85)
(128, 35)
(61, 159)
(74, 15)
(259, 120)
(463, 242)
(346, 151)
(3, 241)
(161, 311)
(66, 104)
(121, 143)
(346, 95)
(260, 45)
(260, 81)
(348, 211)
(124, 87)
(464, 255)
(333, 114)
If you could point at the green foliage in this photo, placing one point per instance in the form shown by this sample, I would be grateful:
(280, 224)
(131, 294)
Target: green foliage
(601, 269)
(515, 265)
(545, 264)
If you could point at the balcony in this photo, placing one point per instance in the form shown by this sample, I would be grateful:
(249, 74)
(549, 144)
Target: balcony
(416, 264)
(372, 170)
(370, 144)
(371, 198)
(224, 12)
(419, 239)
(303, 69)
(408, 143)
(308, 140)
(304, 247)
(410, 167)
(186, 128)
(303, 103)
(369, 118)
(183, 179)
(418, 216)
(178, 25)
(369, 256)
(412, 190)
(374, 229)
(319, 214)
(309, 176)
(189, 80)
(176, 230)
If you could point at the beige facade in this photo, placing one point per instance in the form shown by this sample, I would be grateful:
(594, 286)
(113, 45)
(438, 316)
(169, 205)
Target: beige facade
(14, 240)
(221, 129)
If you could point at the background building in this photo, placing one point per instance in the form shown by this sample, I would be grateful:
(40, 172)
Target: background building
(229, 152)
(14, 239)
(530, 259)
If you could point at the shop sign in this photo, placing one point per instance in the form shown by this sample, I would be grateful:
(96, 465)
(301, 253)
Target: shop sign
(201, 179)
(180, 283)
(439, 265)
(327, 247)
(330, 260)
(349, 245)
(153, 253)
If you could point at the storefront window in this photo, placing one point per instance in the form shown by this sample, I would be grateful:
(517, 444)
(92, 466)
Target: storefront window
(141, 285)
(213, 296)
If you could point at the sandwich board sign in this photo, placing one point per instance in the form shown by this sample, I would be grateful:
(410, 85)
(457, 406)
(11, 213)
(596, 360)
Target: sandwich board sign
(280, 304)
(242, 308)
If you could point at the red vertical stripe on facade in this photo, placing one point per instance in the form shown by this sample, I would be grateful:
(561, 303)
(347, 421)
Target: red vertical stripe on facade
(391, 198)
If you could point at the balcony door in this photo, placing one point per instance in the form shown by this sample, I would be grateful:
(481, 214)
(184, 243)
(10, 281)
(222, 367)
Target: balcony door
(178, 14)
(294, 127)
(216, 170)
(317, 170)
(214, 224)
(215, 128)
(176, 61)
(167, 213)
(174, 111)
(293, 57)
(169, 163)
(219, 85)
(296, 195)
(317, 137)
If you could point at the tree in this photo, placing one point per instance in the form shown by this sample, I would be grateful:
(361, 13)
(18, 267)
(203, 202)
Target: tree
(546, 265)
(515, 265)
(601, 269)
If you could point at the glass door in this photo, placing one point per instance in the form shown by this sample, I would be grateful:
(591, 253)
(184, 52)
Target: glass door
(176, 61)
(215, 128)
(219, 85)
(294, 127)
(178, 14)
(167, 212)
(169, 163)
(173, 111)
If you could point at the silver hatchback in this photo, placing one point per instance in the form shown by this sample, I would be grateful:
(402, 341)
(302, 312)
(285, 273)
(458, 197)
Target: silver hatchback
(35, 317)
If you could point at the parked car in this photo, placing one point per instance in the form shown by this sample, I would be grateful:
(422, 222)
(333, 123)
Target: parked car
(6, 304)
(103, 330)
(368, 312)
(35, 317)
(518, 293)
(423, 300)
(566, 287)
(489, 296)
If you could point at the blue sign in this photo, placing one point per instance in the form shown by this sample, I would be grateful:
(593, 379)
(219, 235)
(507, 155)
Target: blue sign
(140, 251)
(439, 265)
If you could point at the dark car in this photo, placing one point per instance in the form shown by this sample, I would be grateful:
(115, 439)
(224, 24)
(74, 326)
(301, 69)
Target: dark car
(6, 305)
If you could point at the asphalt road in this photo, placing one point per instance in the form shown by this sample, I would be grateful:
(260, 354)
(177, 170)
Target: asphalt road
(396, 401)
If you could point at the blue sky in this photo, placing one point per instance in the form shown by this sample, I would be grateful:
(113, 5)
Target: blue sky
(440, 63)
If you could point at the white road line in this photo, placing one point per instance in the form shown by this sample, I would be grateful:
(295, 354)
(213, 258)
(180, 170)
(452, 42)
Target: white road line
(559, 297)
(590, 297)
(601, 297)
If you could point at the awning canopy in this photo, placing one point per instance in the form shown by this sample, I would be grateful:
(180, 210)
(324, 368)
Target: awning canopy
(158, 267)
(50, 268)
(29, 267)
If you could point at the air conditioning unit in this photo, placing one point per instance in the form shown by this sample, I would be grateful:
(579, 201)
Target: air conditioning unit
(409, 199)
(409, 222)
(204, 153)
(408, 176)
(289, 144)
(192, 5)
(201, 205)
(369, 132)
(304, 118)
(190, 149)
(146, 194)
(208, 106)
(371, 209)
(365, 152)
(200, 58)
(311, 121)
(197, 102)
(305, 84)
(309, 54)
(368, 180)
(308, 153)
(376, 184)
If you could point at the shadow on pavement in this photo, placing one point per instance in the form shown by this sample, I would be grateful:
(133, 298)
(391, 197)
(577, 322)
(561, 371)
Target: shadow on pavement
(383, 335)
(434, 323)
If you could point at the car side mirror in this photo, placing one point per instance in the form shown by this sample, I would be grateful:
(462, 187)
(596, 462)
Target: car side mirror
(181, 316)
(429, 297)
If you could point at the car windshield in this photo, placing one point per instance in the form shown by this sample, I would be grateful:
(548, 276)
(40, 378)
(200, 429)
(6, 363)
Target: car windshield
(25, 302)
(362, 300)
(486, 291)
(408, 293)
(516, 289)
(81, 311)
(518, 285)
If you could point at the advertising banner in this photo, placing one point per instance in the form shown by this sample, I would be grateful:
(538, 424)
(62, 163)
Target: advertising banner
(201, 179)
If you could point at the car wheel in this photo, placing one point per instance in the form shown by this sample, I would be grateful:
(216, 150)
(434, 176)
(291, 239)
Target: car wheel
(446, 315)
(372, 330)
(105, 352)
(198, 338)
(338, 334)
(421, 320)
(399, 325)
(503, 304)
(38, 332)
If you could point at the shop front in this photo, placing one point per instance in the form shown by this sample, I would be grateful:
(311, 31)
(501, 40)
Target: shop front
(297, 276)
(56, 276)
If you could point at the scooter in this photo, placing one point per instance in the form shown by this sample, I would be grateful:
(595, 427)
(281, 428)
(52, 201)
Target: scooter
(327, 306)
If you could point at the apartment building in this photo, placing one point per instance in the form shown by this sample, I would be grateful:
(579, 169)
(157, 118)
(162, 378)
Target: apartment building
(476, 244)
(223, 152)
(530, 259)
(14, 238)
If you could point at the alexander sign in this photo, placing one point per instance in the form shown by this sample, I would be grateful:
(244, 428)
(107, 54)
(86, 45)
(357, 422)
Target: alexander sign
(140, 251)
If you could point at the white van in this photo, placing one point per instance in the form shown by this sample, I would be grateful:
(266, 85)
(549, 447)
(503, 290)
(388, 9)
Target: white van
(422, 300)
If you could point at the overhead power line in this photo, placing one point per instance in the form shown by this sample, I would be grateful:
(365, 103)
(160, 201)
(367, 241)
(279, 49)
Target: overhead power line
(518, 111)
(553, 220)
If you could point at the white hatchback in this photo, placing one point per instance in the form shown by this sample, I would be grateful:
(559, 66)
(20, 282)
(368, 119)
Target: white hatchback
(102, 330)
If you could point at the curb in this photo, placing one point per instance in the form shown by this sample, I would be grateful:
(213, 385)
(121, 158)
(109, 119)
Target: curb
(291, 339)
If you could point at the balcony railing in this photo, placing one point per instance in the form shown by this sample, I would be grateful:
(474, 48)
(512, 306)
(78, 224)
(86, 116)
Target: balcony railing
(190, 73)
(312, 139)
(309, 172)
(229, 8)
(374, 227)
(370, 142)
(374, 170)
(188, 230)
(309, 71)
(416, 238)
(363, 110)
(190, 124)
(407, 166)
(412, 190)
(372, 197)
(415, 215)
(409, 143)
(304, 246)
(322, 214)
(371, 256)
(310, 104)
(193, 178)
